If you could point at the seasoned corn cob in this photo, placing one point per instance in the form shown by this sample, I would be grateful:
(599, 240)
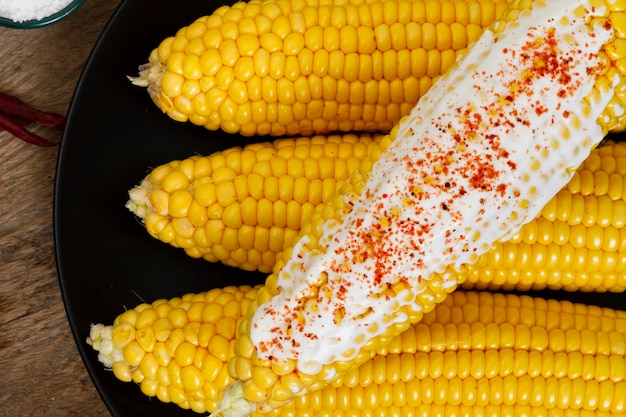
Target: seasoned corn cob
(575, 243)
(309, 67)
(482, 153)
(243, 206)
(475, 354)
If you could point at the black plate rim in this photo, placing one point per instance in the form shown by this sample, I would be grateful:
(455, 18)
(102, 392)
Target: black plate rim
(136, 404)
(83, 349)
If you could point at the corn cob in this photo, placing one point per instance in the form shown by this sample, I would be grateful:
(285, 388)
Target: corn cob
(243, 206)
(480, 155)
(474, 351)
(308, 67)
(575, 243)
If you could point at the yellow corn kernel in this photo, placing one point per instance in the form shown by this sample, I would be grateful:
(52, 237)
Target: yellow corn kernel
(133, 353)
(123, 334)
(536, 360)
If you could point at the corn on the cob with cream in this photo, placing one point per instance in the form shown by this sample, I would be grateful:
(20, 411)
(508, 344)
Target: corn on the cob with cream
(259, 196)
(304, 67)
(475, 354)
(483, 151)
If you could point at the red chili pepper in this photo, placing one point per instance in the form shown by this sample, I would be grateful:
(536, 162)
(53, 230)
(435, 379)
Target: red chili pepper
(15, 115)
(20, 132)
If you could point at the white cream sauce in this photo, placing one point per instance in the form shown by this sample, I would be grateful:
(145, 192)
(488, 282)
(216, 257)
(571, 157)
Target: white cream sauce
(482, 152)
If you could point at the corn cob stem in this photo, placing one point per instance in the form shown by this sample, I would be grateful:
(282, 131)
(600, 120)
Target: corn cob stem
(492, 150)
(573, 244)
(474, 350)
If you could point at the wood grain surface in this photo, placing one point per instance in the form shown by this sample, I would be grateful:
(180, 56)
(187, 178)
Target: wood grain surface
(41, 371)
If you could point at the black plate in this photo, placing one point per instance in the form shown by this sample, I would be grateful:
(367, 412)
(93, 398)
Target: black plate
(106, 260)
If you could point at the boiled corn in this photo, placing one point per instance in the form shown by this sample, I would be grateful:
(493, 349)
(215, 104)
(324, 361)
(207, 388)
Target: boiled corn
(305, 67)
(475, 354)
(577, 242)
(308, 67)
(243, 206)
(482, 152)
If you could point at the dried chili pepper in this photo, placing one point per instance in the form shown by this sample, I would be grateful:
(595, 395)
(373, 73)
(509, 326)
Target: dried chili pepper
(15, 115)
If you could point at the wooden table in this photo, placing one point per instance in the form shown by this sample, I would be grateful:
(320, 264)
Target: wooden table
(41, 371)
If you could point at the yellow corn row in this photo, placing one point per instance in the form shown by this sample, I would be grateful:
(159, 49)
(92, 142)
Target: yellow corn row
(475, 354)
(303, 67)
(265, 382)
(245, 206)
